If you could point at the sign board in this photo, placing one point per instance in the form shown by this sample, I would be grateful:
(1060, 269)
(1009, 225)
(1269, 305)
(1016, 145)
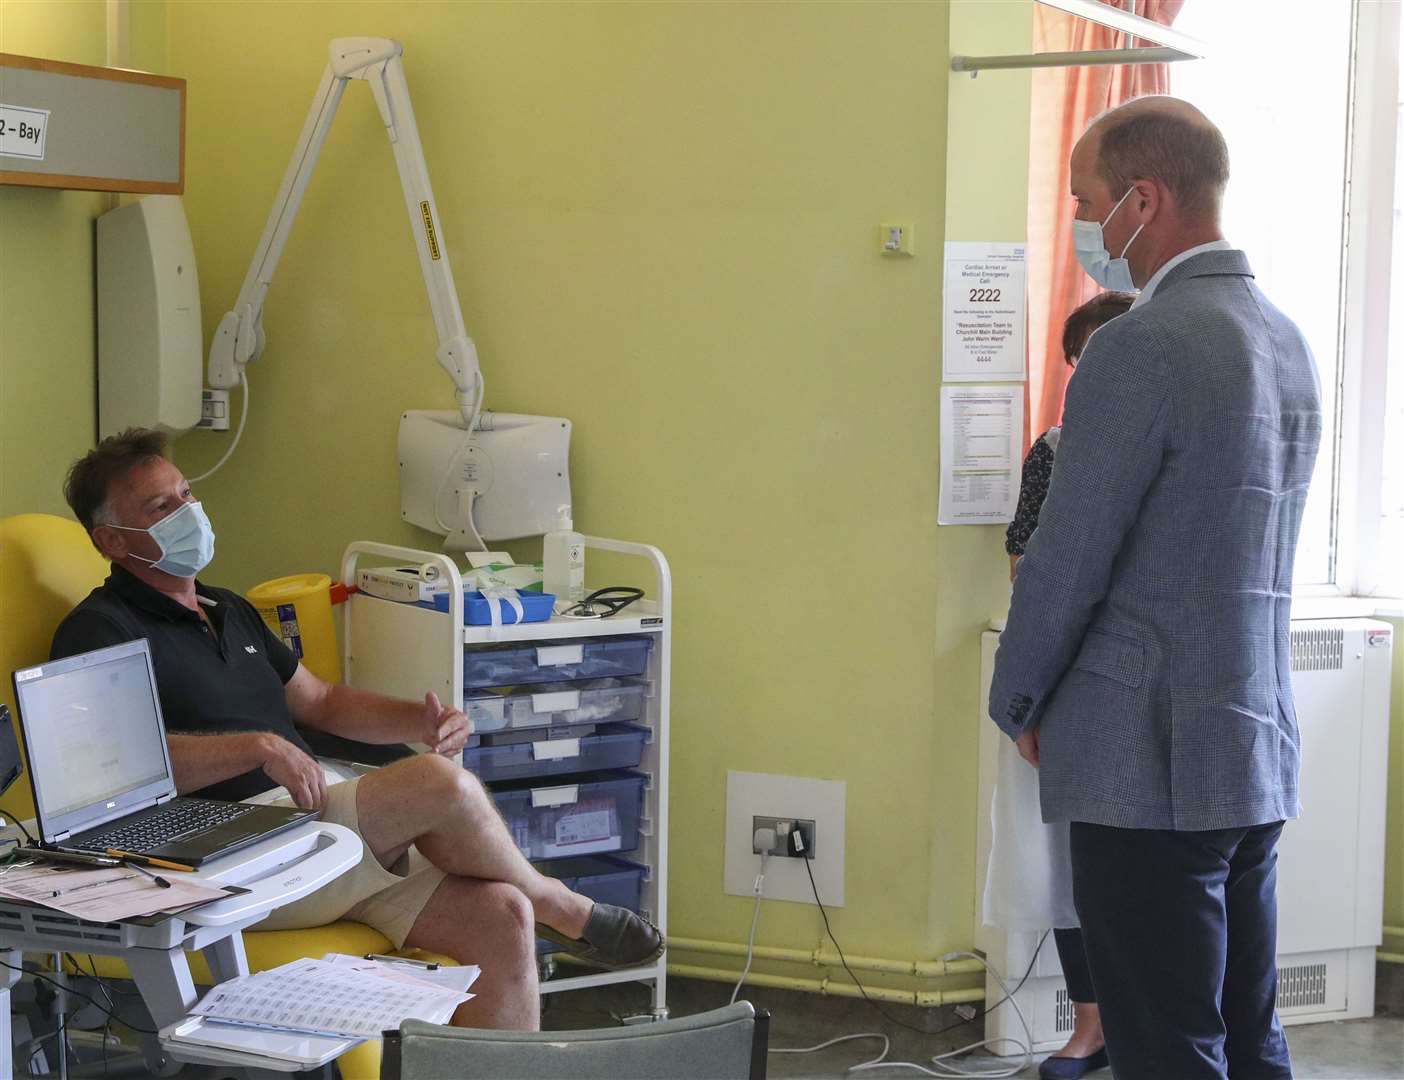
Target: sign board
(983, 313)
(94, 129)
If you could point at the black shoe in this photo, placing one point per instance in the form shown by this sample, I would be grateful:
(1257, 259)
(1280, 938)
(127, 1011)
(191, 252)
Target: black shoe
(614, 937)
(1071, 1068)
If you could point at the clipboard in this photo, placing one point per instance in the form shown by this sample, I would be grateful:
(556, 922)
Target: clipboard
(198, 1038)
(162, 916)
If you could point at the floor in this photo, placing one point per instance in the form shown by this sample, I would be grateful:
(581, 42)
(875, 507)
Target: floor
(1353, 1050)
(1350, 1050)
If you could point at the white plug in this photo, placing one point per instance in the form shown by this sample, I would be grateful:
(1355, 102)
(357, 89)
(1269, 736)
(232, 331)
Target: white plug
(764, 839)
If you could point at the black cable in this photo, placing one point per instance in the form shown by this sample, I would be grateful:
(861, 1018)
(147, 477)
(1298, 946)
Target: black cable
(106, 992)
(986, 1012)
(828, 930)
(20, 823)
(70, 990)
(108, 989)
(1024, 978)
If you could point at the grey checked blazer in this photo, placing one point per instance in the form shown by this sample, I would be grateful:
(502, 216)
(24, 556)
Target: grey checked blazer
(1148, 634)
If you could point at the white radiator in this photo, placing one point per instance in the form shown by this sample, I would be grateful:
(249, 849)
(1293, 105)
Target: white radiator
(1330, 874)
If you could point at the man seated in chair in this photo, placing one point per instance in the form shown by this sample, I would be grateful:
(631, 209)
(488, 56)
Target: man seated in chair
(440, 871)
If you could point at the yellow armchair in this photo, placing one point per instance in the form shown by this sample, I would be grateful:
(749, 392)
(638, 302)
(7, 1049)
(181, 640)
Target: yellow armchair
(48, 565)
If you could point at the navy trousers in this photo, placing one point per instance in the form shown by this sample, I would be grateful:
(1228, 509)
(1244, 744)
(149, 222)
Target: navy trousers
(1180, 931)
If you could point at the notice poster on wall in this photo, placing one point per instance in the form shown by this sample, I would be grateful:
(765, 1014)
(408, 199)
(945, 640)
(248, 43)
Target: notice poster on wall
(983, 313)
(982, 435)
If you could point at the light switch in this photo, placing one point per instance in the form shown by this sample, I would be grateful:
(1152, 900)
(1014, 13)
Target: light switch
(897, 239)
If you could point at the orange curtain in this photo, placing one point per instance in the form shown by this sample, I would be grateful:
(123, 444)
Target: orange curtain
(1064, 101)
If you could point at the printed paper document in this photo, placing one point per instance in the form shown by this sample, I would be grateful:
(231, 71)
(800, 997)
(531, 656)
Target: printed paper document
(107, 894)
(327, 998)
(982, 435)
(455, 979)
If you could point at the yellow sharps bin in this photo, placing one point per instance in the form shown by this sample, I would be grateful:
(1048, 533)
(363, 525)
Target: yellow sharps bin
(298, 609)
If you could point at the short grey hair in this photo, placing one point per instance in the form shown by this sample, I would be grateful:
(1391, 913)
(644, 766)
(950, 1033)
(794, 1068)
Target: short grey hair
(91, 476)
(1166, 140)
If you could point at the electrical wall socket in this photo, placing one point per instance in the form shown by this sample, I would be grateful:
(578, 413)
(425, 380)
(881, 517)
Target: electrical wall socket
(783, 826)
(750, 796)
(214, 410)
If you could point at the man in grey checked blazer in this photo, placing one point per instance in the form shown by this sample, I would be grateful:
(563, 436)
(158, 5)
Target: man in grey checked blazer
(1145, 666)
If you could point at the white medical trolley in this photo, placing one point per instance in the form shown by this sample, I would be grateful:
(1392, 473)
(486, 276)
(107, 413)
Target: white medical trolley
(571, 807)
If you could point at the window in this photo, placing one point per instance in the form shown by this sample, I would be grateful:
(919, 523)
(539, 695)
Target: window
(1277, 82)
(1384, 574)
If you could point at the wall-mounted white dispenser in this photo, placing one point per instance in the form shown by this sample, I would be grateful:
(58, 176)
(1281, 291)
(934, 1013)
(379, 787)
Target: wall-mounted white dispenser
(150, 345)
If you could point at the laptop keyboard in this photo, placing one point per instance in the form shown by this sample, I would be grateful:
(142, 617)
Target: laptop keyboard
(174, 821)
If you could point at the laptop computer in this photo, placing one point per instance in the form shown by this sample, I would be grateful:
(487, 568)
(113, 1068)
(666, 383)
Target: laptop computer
(101, 771)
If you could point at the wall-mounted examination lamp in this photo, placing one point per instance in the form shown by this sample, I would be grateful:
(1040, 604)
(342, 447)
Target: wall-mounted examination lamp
(1168, 45)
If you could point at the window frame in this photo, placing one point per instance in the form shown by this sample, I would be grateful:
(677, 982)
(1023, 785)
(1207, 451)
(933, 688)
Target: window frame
(1365, 302)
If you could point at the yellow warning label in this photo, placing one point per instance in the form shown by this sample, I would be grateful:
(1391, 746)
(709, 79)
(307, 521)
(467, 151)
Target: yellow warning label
(429, 230)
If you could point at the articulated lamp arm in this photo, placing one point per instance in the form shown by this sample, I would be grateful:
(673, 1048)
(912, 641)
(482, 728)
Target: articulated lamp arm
(239, 338)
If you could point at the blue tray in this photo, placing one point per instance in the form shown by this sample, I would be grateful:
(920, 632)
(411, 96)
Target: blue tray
(536, 607)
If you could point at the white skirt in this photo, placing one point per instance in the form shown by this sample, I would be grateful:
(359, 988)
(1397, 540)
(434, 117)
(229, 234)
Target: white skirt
(1028, 886)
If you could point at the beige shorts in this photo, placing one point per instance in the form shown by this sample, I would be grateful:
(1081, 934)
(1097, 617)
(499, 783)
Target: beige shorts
(388, 900)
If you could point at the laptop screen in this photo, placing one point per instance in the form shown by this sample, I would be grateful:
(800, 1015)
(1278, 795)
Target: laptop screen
(92, 727)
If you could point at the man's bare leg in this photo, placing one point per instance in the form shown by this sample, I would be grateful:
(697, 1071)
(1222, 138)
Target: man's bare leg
(441, 808)
(489, 924)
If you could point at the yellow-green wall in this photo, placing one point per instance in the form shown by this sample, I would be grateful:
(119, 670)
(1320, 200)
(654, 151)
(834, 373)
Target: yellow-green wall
(48, 352)
(662, 219)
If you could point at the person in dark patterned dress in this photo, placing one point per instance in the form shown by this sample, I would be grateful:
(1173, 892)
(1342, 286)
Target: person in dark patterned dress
(1084, 1047)
(1038, 465)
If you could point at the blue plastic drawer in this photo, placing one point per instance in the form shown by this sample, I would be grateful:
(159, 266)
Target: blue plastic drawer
(598, 813)
(604, 701)
(607, 879)
(613, 746)
(592, 658)
(603, 878)
(512, 736)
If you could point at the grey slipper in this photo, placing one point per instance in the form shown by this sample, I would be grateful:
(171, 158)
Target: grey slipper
(614, 937)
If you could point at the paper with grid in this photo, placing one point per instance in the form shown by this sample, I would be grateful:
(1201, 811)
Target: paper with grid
(329, 999)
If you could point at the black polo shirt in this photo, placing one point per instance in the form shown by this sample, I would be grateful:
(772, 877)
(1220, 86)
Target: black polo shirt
(216, 683)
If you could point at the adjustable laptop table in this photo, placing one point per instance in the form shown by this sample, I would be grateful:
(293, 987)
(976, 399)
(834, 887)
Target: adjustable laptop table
(277, 871)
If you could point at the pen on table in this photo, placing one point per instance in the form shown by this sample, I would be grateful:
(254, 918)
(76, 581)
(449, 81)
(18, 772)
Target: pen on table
(162, 882)
(87, 885)
(159, 881)
(148, 860)
(403, 960)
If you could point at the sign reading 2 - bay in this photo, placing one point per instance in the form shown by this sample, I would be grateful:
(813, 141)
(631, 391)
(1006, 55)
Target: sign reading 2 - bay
(23, 132)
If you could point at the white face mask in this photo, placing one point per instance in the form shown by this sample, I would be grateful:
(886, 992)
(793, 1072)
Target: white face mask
(1096, 260)
(186, 540)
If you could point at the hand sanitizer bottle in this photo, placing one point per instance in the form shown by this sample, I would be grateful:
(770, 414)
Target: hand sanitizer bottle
(563, 561)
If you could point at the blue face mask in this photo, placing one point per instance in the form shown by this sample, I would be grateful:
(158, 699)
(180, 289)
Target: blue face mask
(1092, 253)
(186, 540)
